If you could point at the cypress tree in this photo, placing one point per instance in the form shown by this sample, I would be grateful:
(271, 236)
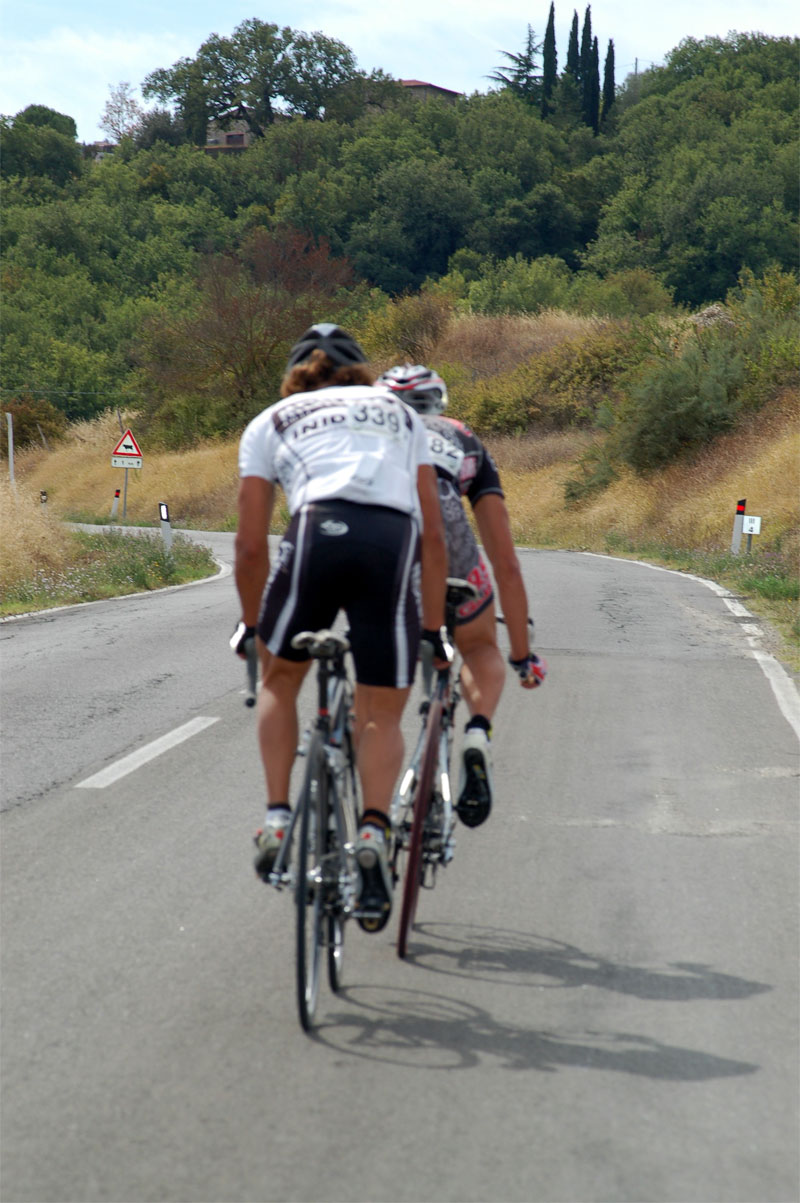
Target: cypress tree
(573, 52)
(549, 62)
(593, 115)
(608, 82)
(586, 66)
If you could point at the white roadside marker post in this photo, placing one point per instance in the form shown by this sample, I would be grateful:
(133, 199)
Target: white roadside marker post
(738, 525)
(166, 529)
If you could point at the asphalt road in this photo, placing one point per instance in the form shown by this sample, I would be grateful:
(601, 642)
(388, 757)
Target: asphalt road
(601, 1000)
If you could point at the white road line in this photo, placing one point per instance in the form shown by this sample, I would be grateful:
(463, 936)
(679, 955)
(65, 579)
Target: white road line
(135, 760)
(782, 685)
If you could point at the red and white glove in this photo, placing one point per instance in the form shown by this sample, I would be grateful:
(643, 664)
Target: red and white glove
(531, 670)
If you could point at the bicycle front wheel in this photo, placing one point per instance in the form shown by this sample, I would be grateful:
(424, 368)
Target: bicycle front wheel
(422, 800)
(335, 930)
(309, 894)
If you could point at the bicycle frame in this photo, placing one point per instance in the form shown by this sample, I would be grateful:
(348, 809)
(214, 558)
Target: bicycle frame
(422, 810)
(332, 724)
(442, 687)
(317, 855)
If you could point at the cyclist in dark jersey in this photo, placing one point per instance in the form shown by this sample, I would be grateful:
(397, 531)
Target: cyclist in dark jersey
(354, 466)
(466, 469)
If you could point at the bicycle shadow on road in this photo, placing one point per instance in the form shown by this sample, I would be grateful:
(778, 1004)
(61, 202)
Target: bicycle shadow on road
(428, 1030)
(528, 960)
(418, 1029)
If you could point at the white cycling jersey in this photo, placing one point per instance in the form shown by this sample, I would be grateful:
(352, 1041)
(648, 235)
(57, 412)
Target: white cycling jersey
(356, 443)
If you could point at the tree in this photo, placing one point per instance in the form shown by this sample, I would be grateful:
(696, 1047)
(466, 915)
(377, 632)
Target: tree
(586, 66)
(209, 371)
(421, 211)
(609, 90)
(708, 164)
(549, 62)
(573, 52)
(522, 78)
(373, 93)
(159, 125)
(593, 112)
(34, 421)
(38, 150)
(258, 72)
(314, 67)
(40, 115)
(122, 113)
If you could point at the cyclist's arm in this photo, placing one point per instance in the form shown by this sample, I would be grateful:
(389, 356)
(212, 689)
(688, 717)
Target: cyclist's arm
(434, 549)
(256, 499)
(494, 529)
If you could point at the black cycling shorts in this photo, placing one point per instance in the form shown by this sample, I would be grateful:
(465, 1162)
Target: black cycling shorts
(365, 560)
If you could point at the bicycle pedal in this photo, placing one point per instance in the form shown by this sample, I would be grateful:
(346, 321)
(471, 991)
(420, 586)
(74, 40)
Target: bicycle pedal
(373, 923)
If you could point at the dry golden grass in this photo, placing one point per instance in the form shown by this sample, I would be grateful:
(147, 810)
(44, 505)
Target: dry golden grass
(199, 485)
(30, 537)
(690, 504)
(487, 346)
(532, 452)
(687, 507)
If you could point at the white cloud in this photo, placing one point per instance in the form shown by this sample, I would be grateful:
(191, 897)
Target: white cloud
(72, 71)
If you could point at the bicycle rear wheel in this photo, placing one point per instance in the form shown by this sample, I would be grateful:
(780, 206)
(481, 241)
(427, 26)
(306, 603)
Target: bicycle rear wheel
(422, 801)
(309, 896)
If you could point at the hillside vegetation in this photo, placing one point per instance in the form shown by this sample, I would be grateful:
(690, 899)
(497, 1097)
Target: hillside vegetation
(608, 285)
(173, 282)
(680, 515)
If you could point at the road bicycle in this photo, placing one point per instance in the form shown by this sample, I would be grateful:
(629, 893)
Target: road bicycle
(422, 813)
(317, 856)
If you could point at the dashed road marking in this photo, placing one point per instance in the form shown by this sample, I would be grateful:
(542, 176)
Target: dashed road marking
(128, 764)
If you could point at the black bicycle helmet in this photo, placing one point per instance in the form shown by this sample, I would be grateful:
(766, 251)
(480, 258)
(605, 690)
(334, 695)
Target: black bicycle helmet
(421, 387)
(339, 346)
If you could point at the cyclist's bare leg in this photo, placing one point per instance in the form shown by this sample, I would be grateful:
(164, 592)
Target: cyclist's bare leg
(379, 741)
(483, 671)
(277, 720)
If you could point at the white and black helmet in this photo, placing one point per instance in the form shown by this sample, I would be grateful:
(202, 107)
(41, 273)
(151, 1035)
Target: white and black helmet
(421, 387)
(338, 345)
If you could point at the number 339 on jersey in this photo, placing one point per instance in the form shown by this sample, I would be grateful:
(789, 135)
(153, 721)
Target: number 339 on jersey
(382, 418)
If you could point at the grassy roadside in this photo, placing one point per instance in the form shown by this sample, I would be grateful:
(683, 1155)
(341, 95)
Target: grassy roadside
(46, 564)
(680, 518)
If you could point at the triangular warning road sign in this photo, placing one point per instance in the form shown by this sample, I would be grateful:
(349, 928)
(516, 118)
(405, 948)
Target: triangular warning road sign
(127, 446)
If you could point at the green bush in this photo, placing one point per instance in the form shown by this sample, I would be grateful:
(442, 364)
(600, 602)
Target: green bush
(34, 421)
(562, 387)
(679, 403)
(595, 472)
(765, 313)
(405, 329)
(519, 285)
(633, 293)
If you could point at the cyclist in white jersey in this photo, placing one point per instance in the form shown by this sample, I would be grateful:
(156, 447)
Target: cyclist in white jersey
(365, 526)
(465, 468)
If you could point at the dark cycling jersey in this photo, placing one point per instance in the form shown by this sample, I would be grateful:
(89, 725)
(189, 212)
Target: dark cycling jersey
(464, 467)
(461, 458)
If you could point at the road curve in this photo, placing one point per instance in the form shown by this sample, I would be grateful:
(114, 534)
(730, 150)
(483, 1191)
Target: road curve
(601, 997)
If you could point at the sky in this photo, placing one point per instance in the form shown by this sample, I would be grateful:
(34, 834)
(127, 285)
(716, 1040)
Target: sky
(69, 56)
